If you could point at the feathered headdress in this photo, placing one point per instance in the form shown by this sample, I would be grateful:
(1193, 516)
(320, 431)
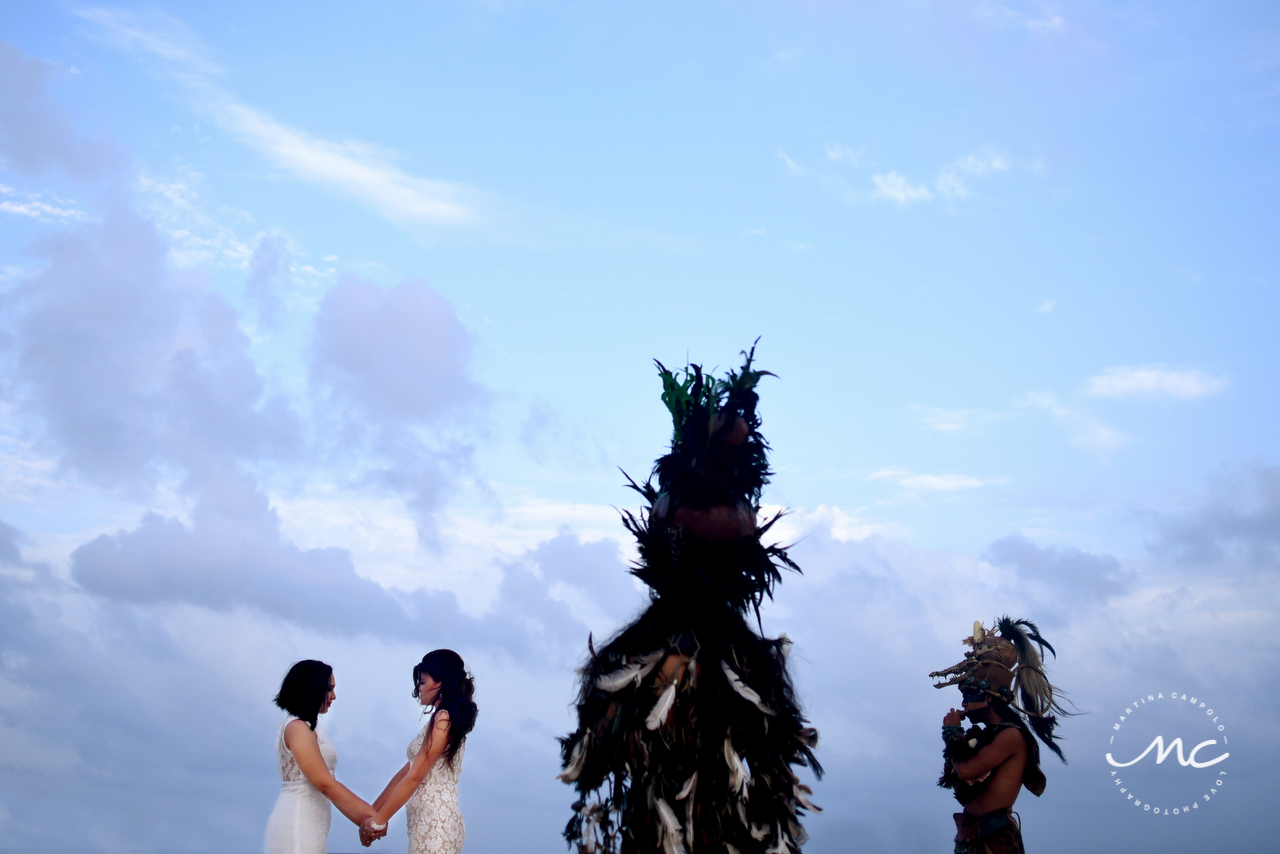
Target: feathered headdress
(699, 538)
(1010, 668)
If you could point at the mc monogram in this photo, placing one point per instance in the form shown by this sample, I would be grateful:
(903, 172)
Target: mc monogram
(1176, 788)
(1162, 753)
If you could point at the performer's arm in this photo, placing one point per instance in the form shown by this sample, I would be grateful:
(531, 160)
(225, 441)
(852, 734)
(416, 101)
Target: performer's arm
(1006, 744)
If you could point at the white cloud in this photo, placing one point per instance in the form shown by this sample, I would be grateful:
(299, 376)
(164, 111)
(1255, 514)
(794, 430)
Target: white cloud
(895, 188)
(397, 362)
(155, 34)
(1154, 381)
(354, 169)
(841, 525)
(36, 133)
(1045, 306)
(34, 206)
(22, 750)
(23, 470)
(397, 353)
(792, 167)
(984, 165)
(947, 420)
(837, 153)
(927, 482)
(1003, 16)
(1084, 431)
(196, 239)
(1238, 524)
(351, 168)
(137, 662)
(784, 57)
(951, 183)
(40, 211)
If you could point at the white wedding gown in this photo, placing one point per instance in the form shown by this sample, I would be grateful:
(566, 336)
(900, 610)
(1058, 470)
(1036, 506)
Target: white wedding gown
(435, 822)
(300, 822)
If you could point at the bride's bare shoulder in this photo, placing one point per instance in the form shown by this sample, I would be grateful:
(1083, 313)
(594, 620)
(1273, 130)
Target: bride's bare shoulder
(297, 729)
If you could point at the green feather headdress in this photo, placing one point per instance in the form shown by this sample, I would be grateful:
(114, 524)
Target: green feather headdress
(717, 458)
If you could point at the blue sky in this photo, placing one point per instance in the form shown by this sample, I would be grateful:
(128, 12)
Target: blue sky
(324, 333)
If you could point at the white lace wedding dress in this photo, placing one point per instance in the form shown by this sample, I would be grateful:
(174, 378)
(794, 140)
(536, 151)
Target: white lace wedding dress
(300, 822)
(435, 822)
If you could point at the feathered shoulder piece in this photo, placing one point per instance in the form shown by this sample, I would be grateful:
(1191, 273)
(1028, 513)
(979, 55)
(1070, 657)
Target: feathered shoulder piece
(699, 536)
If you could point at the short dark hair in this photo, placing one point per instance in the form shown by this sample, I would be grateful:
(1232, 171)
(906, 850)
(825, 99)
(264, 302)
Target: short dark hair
(457, 688)
(303, 690)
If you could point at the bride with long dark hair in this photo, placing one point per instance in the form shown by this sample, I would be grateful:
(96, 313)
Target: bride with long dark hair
(428, 782)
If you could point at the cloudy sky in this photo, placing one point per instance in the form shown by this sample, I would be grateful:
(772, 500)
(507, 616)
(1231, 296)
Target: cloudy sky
(324, 333)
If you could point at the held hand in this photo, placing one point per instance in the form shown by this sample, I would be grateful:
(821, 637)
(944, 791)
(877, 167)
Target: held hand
(952, 718)
(367, 832)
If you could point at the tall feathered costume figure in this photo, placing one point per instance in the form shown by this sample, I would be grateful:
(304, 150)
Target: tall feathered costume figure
(688, 724)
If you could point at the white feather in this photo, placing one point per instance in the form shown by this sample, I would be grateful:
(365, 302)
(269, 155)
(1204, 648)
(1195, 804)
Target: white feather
(741, 687)
(797, 833)
(576, 760)
(802, 792)
(688, 790)
(590, 822)
(759, 832)
(729, 849)
(661, 708)
(739, 775)
(779, 847)
(688, 787)
(671, 843)
(633, 672)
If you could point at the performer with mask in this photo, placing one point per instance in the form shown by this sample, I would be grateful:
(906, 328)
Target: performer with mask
(1001, 680)
(688, 724)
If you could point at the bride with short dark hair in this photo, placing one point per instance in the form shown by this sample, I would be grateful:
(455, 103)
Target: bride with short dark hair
(299, 824)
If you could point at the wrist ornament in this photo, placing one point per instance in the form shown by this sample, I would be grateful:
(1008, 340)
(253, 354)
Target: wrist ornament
(950, 732)
(375, 827)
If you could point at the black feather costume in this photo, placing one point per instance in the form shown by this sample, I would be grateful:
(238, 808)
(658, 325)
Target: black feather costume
(688, 724)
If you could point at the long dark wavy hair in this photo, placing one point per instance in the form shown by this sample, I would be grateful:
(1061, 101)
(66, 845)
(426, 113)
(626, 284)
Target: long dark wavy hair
(303, 690)
(457, 689)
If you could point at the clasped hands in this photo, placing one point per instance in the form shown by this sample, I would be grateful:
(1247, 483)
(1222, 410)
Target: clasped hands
(368, 832)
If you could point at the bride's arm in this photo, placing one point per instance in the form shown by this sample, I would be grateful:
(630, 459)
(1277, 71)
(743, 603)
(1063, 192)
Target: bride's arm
(386, 793)
(305, 747)
(432, 749)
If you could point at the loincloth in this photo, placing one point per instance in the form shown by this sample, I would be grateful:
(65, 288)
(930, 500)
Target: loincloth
(996, 832)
